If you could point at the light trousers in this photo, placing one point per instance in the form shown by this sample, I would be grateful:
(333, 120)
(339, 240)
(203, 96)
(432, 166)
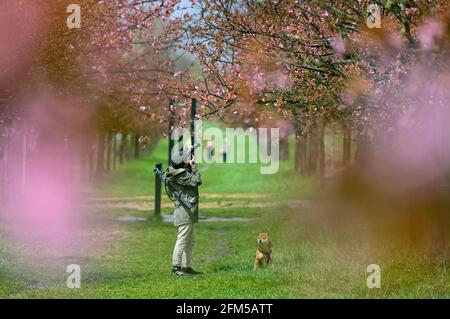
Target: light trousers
(182, 253)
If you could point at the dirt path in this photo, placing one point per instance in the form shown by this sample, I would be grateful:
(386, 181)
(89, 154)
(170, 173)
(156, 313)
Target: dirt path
(145, 206)
(145, 203)
(208, 195)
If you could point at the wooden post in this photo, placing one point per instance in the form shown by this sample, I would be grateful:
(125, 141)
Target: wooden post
(171, 124)
(158, 192)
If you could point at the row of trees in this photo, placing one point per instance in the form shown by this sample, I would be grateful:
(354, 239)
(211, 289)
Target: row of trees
(249, 62)
(315, 63)
(54, 94)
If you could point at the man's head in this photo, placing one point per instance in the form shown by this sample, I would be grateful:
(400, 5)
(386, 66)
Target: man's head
(182, 158)
(182, 155)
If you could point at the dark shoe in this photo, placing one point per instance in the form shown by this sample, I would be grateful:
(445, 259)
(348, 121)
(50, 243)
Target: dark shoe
(177, 271)
(191, 271)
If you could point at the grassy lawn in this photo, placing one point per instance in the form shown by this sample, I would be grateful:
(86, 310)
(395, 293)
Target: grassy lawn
(137, 178)
(132, 259)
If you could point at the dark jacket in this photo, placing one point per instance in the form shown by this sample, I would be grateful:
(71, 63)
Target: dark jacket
(186, 182)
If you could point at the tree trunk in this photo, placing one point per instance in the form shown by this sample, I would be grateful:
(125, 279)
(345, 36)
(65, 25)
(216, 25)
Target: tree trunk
(84, 164)
(321, 146)
(333, 147)
(362, 153)
(24, 156)
(128, 147)
(300, 149)
(347, 145)
(101, 154)
(4, 162)
(284, 148)
(122, 147)
(114, 151)
(154, 138)
(315, 163)
(108, 151)
(312, 153)
(91, 161)
(136, 146)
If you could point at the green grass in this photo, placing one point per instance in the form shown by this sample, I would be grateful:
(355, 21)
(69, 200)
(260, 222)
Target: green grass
(137, 178)
(133, 259)
(305, 266)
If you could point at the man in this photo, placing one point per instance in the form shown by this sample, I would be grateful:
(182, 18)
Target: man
(209, 150)
(225, 150)
(185, 178)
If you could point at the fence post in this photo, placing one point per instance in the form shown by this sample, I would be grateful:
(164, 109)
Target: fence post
(158, 191)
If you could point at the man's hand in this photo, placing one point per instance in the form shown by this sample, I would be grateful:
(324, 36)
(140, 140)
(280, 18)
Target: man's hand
(192, 161)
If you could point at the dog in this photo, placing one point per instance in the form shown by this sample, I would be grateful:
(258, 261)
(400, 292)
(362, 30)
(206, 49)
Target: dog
(263, 251)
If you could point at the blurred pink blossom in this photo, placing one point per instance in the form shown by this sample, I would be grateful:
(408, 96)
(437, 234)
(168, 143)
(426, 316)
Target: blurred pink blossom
(430, 32)
(339, 46)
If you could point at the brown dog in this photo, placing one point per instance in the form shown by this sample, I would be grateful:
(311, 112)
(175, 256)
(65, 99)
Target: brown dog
(263, 251)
